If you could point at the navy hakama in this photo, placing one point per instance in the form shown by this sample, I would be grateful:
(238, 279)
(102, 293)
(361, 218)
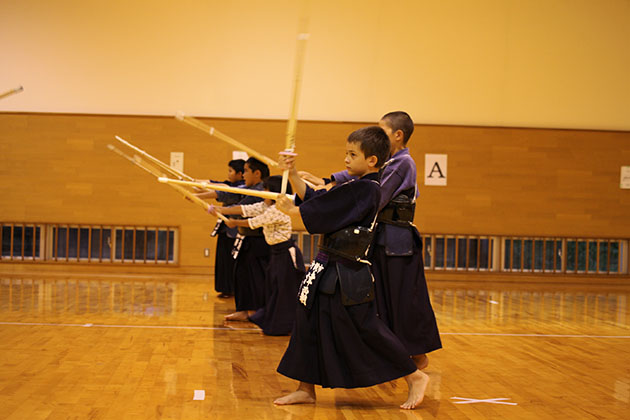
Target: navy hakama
(402, 297)
(224, 265)
(339, 346)
(249, 274)
(251, 264)
(284, 274)
(223, 261)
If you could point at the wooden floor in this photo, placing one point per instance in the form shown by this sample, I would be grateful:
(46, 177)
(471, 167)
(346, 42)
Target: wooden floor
(134, 348)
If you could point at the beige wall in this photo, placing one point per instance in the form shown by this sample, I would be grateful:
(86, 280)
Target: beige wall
(503, 181)
(535, 63)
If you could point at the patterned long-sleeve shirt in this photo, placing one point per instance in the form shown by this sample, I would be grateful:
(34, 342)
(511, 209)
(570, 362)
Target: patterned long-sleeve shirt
(276, 225)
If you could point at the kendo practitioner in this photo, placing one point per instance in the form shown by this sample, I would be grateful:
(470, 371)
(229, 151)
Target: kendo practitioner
(250, 251)
(338, 340)
(402, 297)
(223, 261)
(286, 264)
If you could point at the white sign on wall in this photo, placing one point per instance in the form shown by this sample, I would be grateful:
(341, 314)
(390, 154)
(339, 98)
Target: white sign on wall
(177, 161)
(625, 178)
(435, 169)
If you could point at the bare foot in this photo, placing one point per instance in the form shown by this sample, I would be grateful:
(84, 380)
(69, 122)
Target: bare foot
(417, 382)
(305, 394)
(421, 361)
(237, 316)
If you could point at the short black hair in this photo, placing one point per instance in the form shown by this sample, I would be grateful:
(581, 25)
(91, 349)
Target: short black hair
(373, 141)
(274, 184)
(399, 120)
(256, 165)
(237, 164)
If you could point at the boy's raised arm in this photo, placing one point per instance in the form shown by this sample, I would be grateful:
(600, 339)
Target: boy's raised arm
(287, 162)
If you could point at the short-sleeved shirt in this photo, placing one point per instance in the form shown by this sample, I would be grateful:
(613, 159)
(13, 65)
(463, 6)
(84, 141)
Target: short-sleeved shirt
(276, 225)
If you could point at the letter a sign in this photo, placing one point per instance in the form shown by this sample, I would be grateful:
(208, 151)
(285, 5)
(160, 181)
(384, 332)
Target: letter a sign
(435, 169)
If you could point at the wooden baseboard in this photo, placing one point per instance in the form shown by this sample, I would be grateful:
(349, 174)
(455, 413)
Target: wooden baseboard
(118, 270)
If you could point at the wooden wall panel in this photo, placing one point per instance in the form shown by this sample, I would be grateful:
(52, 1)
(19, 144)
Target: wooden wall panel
(56, 168)
(526, 181)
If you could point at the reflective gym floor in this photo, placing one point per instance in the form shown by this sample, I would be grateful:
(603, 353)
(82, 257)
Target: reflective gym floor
(157, 348)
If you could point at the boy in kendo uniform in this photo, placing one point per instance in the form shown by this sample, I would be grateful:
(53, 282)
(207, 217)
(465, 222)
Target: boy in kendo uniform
(224, 262)
(286, 265)
(402, 297)
(338, 339)
(250, 250)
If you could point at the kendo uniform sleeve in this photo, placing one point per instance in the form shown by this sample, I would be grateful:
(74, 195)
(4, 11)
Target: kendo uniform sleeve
(348, 204)
(341, 177)
(398, 176)
(253, 210)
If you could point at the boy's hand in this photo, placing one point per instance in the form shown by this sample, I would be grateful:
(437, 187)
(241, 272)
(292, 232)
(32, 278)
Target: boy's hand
(326, 187)
(287, 160)
(212, 210)
(315, 180)
(285, 205)
(230, 223)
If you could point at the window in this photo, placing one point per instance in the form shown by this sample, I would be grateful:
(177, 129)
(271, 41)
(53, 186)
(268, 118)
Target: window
(509, 254)
(91, 244)
(578, 256)
(472, 253)
(308, 244)
(21, 241)
(594, 255)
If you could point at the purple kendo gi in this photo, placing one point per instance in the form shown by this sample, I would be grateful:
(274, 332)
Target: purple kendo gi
(338, 341)
(402, 297)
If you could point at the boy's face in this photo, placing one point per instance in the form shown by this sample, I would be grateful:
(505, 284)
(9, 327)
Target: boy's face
(234, 176)
(356, 162)
(249, 176)
(394, 137)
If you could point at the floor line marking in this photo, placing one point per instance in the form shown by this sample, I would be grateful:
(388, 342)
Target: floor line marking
(487, 400)
(538, 335)
(89, 325)
(184, 327)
